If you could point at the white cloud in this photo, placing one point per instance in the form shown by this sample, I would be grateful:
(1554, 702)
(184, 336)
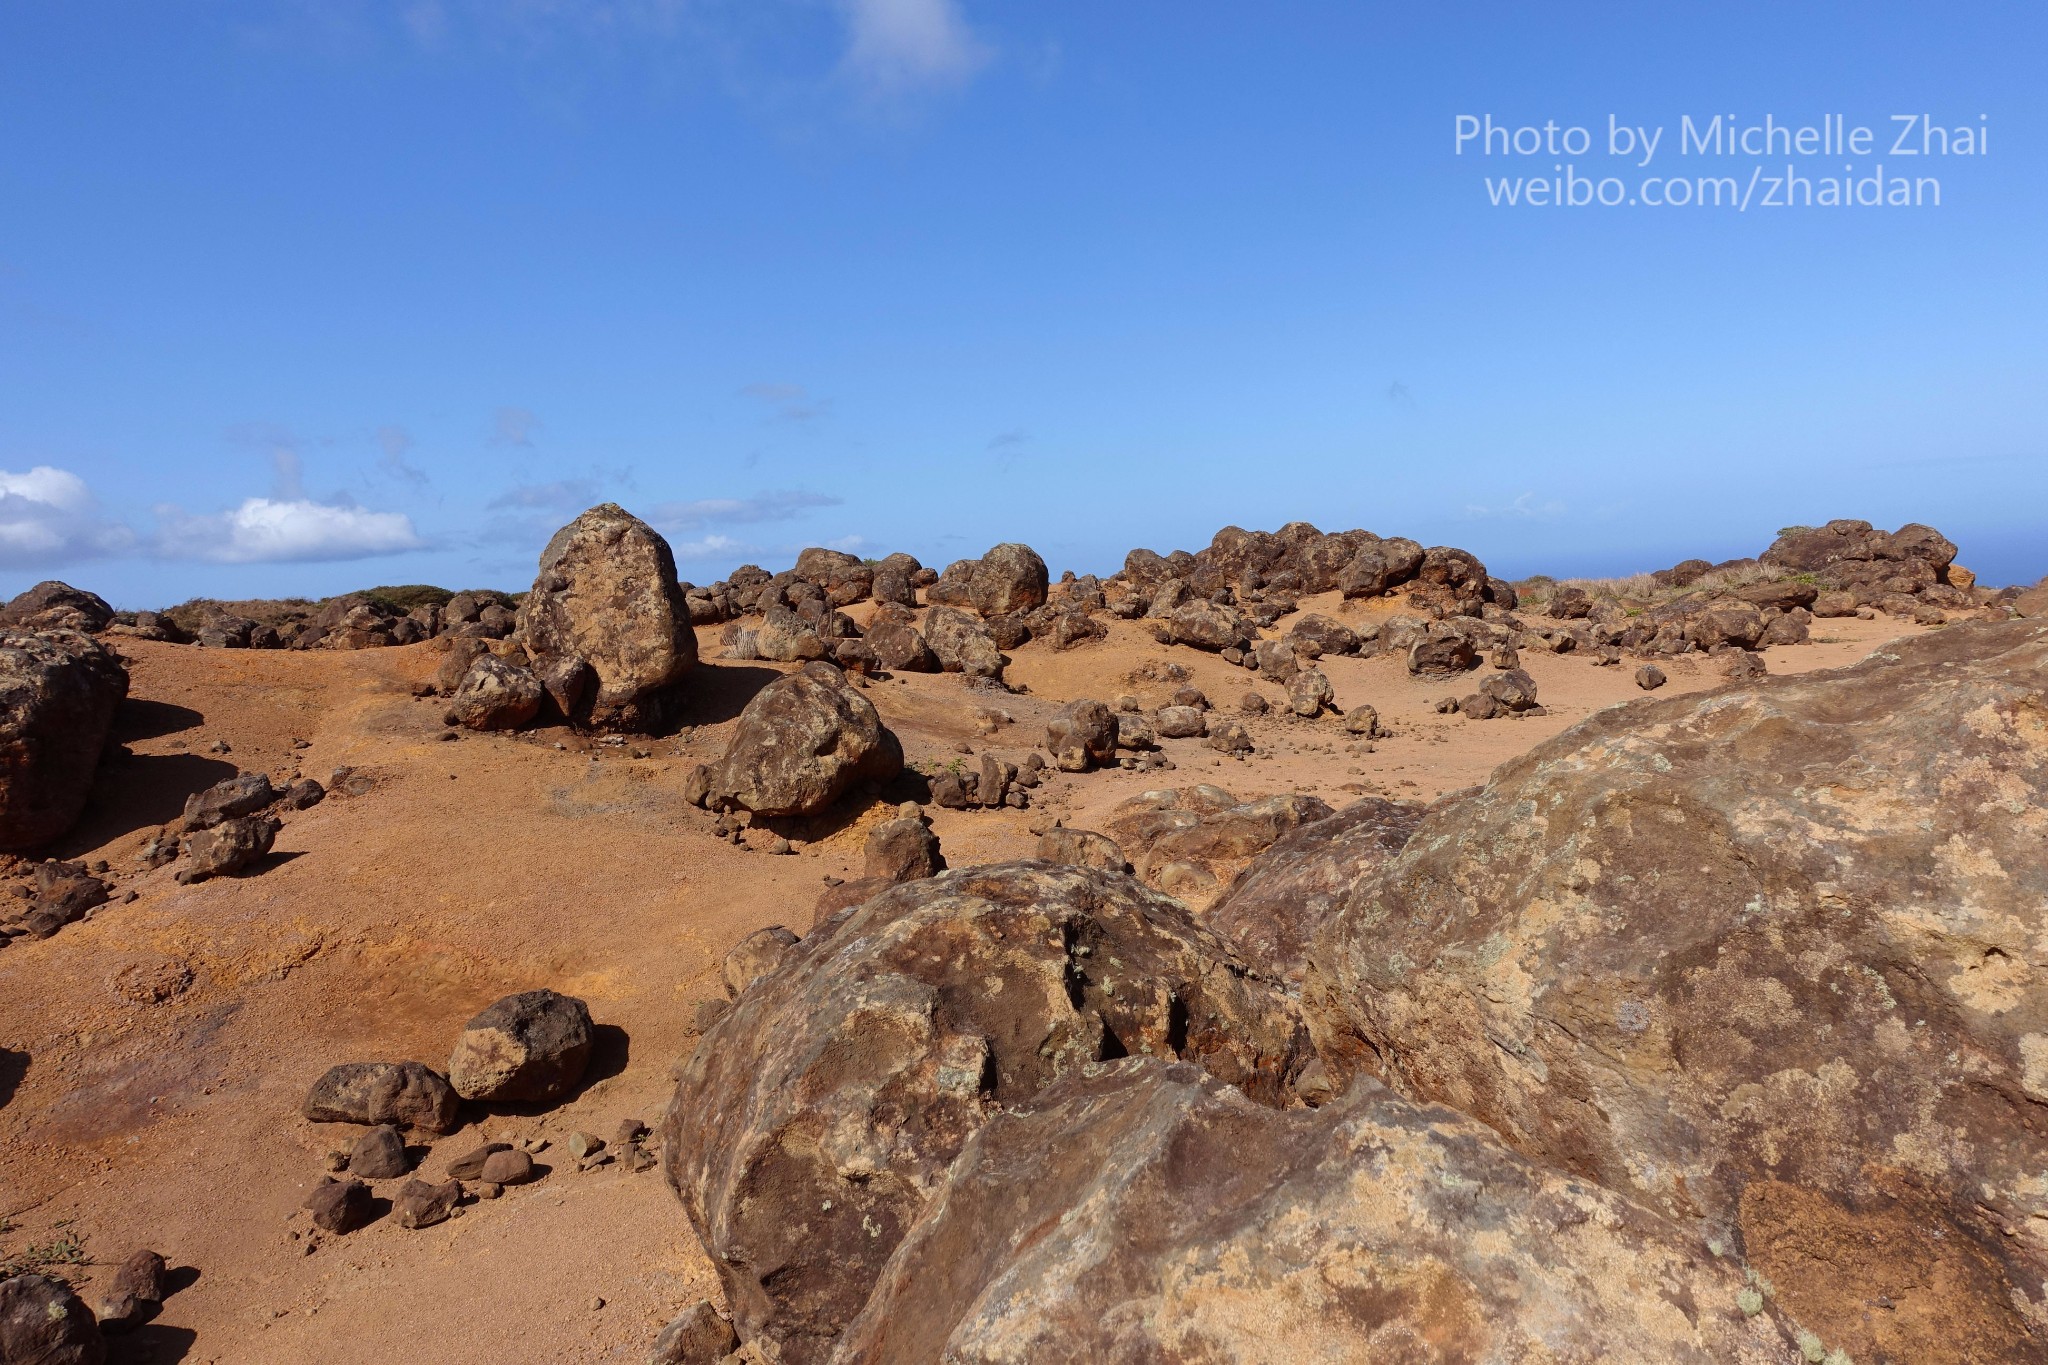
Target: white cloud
(710, 547)
(897, 44)
(273, 530)
(48, 516)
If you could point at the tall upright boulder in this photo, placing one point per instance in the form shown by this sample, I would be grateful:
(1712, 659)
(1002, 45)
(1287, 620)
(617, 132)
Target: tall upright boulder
(1009, 578)
(607, 594)
(1767, 959)
(58, 694)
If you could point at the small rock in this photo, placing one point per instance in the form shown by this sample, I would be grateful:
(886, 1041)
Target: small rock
(421, 1205)
(138, 1286)
(582, 1144)
(700, 1335)
(340, 1206)
(1649, 677)
(508, 1168)
(471, 1165)
(379, 1154)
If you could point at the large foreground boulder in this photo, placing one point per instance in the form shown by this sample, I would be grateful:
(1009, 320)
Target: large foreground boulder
(607, 594)
(820, 1114)
(1767, 959)
(801, 743)
(1142, 1211)
(1283, 896)
(58, 694)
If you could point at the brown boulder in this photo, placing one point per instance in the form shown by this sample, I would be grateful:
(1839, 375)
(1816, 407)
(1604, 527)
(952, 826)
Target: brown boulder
(1763, 959)
(1139, 1210)
(403, 1093)
(754, 957)
(1442, 654)
(228, 847)
(802, 743)
(607, 594)
(58, 694)
(1285, 894)
(525, 1048)
(1081, 848)
(962, 643)
(902, 850)
(242, 794)
(841, 576)
(1082, 735)
(423, 1205)
(43, 1323)
(57, 606)
(818, 1116)
(1211, 626)
(1009, 578)
(142, 1282)
(495, 694)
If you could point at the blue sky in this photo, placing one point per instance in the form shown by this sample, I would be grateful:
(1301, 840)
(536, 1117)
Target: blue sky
(303, 295)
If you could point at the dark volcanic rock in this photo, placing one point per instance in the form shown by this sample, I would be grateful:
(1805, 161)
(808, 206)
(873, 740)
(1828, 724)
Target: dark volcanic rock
(607, 594)
(754, 956)
(58, 694)
(403, 1093)
(528, 1047)
(1762, 958)
(1139, 1210)
(1285, 894)
(902, 850)
(962, 643)
(1009, 578)
(421, 1205)
(801, 743)
(243, 794)
(226, 848)
(140, 1284)
(43, 1323)
(820, 1114)
(341, 1206)
(698, 1336)
(1082, 848)
(379, 1154)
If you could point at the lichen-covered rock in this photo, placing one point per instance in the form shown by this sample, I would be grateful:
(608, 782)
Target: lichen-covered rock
(57, 606)
(1285, 894)
(43, 1323)
(1009, 578)
(1082, 735)
(961, 642)
(495, 694)
(526, 1048)
(1081, 848)
(801, 743)
(819, 1115)
(754, 956)
(1211, 626)
(407, 1094)
(1203, 827)
(1766, 959)
(1138, 1210)
(58, 694)
(1848, 554)
(840, 576)
(607, 594)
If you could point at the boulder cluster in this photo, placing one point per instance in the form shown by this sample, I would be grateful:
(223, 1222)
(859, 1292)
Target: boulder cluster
(1706, 1031)
(528, 1049)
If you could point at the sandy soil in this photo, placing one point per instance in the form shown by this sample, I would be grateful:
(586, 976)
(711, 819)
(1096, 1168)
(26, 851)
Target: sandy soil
(170, 1040)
